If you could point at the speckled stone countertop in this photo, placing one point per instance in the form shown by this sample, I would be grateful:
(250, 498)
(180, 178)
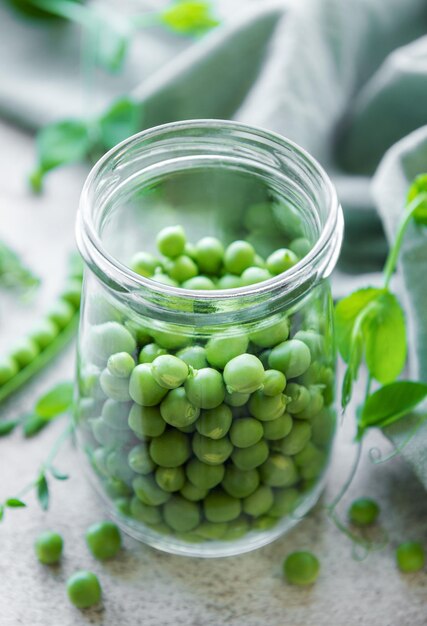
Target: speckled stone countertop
(147, 588)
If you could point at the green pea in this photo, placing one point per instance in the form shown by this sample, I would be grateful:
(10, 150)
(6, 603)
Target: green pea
(264, 522)
(244, 374)
(229, 281)
(182, 268)
(148, 491)
(238, 256)
(215, 423)
(8, 369)
(116, 488)
(263, 357)
(310, 461)
(313, 340)
(274, 383)
(279, 471)
(103, 540)
(298, 397)
(115, 413)
(301, 568)
(363, 512)
(170, 340)
(209, 253)
(140, 461)
(300, 246)
(177, 410)
(171, 241)
(236, 399)
(201, 283)
(72, 293)
(259, 502)
(48, 547)
(314, 406)
(170, 449)
(278, 428)
(297, 439)
(122, 506)
(61, 313)
(252, 275)
(107, 436)
(211, 451)
(117, 466)
(107, 339)
(285, 501)
(120, 364)
(83, 589)
(252, 457)
(281, 260)
(146, 421)
(89, 384)
(221, 349)
(204, 476)
(410, 557)
(205, 388)
(323, 428)
(212, 530)
(144, 264)
(193, 493)
(25, 352)
(221, 507)
(239, 483)
(114, 387)
(143, 388)
(291, 357)
(246, 432)
(164, 279)
(267, 408)
(181, 515)
(150, 352)
(194, 356)
(144, 512)
(169, 371)
(236, 529)
(44, 334)
(271, 334)
(170, 478)
(99, 459)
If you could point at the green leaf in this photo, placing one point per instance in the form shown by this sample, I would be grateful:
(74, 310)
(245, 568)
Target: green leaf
(43, 492)
(390, 403)
(7, 426)
(33, 424)
(418, 188)
(56, 401)
(1, 512)
(57, 474)
(189, 17)
(385, 339)
(58, 144)
(15, 503)
(122, 120)
(346, 313)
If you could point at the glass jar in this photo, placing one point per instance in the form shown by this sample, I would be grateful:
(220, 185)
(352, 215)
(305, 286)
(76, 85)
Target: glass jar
(201, 466)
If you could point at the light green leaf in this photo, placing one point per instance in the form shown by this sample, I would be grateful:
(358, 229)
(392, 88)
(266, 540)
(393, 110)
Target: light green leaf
(7, 426)
(122, 120)
(419, 188)
(56, 401)
(43, 492)
(346, 313)
(15, 503)
(390, 403)
(385, 339)
(189, 17)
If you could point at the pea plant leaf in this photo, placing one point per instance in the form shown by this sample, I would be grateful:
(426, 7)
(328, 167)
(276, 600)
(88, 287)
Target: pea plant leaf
(43, 492)
(385, 339)
(346, 313)
(7, 427)
(119, 122)
(56, 401)
(15, 503)
(419, 189)
(189, 17)
(390, 403)
(32, 424)
(58, 144)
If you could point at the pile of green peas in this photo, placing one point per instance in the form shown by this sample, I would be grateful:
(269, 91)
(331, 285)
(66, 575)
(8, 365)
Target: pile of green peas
(206, 438)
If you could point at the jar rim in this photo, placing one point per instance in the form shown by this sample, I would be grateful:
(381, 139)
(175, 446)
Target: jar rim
(324, 252)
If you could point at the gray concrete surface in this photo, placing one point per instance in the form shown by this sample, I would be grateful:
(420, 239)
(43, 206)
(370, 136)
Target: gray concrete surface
(144, 587)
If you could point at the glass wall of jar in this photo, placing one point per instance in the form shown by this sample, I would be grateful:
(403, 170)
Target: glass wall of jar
(206, 367)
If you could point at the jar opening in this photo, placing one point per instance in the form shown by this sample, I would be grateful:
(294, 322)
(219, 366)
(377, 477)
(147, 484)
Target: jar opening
(209, 166)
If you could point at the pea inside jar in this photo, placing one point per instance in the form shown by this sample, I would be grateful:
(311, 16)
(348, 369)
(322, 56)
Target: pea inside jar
(200, 435)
